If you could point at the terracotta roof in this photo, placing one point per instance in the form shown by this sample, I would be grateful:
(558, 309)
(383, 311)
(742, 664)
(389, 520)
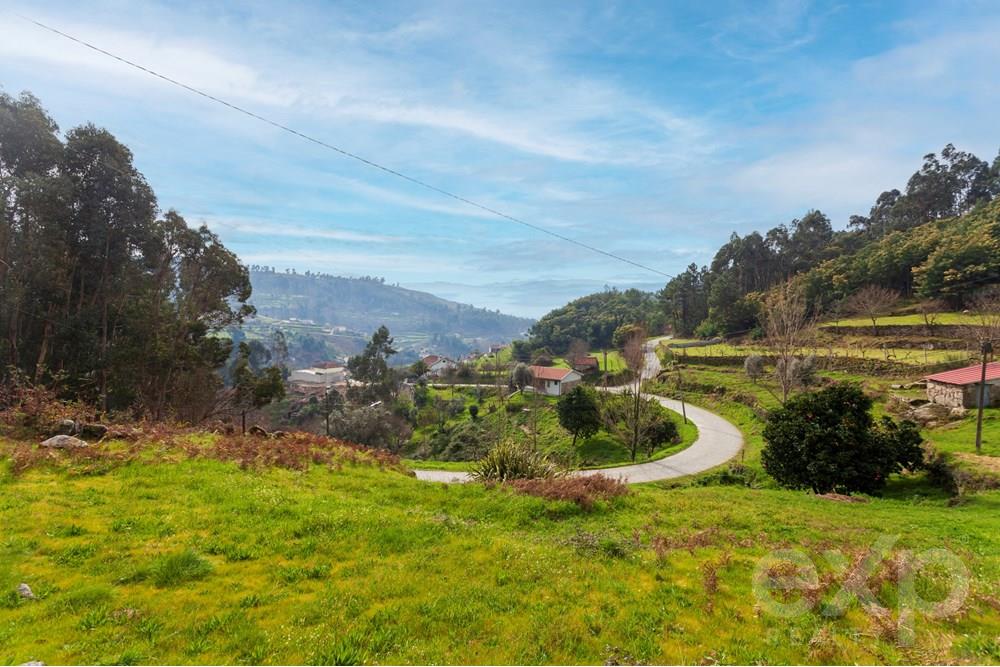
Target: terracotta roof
(968, 375)
(549, 372)
(586, 361)
(431, 359)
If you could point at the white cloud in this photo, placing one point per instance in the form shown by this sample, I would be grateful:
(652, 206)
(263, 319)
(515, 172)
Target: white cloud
(292, 231)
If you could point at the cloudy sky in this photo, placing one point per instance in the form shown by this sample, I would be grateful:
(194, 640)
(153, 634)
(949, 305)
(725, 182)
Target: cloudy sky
(651, 130)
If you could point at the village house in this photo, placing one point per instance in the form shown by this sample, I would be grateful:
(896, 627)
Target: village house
(959, 388)
(586, 364)
(554, 381)
(318, 376)
(437, 365)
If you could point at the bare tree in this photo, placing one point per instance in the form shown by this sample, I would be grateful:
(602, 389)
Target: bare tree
(753, 365)
(788, 328)
(578, 349)
(872, 301)
(629, 417)
(930, 309)
(636, 417)
(985, 308)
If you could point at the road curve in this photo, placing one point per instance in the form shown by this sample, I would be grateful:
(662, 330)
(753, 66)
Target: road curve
(718, 441)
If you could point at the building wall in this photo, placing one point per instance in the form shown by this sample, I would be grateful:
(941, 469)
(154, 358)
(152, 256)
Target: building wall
(949, 395)
(956, 396)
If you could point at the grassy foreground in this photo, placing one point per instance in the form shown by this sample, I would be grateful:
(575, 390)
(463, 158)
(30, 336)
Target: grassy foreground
(200, 561)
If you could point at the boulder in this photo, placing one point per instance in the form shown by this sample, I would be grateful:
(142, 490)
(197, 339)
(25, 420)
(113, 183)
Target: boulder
(93, 431)
(917, 402)
(66, 427)
(24, 590)
(959, 412)
(258, 431)
(919, 384)
(64, 442)
(278, 435)
(930, 412)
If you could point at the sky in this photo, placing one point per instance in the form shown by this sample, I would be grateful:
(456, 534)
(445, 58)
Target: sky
(651, 130)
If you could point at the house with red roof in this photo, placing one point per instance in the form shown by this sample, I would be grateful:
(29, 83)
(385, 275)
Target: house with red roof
(438, 365)
(554, 381)
(959, 388)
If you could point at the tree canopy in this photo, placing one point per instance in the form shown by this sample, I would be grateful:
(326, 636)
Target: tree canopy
(828, 441)
(102, 294)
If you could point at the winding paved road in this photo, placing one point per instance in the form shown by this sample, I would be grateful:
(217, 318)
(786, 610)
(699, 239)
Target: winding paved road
(717, 442)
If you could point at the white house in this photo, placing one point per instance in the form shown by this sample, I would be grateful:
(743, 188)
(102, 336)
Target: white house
(319, 377)
(437, 365)
(554, 381)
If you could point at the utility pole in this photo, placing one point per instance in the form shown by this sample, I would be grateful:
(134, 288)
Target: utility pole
(680, 389)
(987, 349)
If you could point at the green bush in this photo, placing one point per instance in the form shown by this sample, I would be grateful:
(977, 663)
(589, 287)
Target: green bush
(512, 460)
(828, 441)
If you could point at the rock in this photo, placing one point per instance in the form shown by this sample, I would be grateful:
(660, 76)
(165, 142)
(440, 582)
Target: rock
(24, 590)
(64, 442)
(930, 412)
(919, 384)
(917, 402)
(66, 427)
(959, 412)
(257, 431)
(278, 435)
(33, 663)
(93, 431)
(895, 386)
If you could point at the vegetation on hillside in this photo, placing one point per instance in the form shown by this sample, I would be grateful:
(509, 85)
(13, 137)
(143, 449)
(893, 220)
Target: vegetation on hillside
(103, 295)
(594, 319)
(938, 238)
(364, 304)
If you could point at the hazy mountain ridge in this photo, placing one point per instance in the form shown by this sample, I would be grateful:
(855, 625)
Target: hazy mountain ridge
(363, 304)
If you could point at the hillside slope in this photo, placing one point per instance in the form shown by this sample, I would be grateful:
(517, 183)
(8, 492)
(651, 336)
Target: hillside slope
(175, 557)
(363, 304)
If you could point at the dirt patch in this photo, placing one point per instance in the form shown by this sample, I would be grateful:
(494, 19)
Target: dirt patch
(841, 498)
(990, 464)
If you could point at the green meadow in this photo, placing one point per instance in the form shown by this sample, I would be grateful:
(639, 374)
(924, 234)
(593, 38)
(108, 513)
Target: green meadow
(179, 560)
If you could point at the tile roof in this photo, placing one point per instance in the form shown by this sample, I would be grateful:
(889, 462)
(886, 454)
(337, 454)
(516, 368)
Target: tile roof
(968, 375)
(549, 372)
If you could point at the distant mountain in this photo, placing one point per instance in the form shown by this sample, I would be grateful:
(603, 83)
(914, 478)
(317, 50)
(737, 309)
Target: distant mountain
(364, 304)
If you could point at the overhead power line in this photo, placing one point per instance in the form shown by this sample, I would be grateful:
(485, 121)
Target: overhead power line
(346, 153)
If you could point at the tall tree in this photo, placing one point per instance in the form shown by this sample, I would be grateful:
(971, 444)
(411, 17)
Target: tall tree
(372, 367)
(579, 412)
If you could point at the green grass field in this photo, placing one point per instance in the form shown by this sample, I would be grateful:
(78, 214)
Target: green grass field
(203, 562)
(867, 351)
(914, 319)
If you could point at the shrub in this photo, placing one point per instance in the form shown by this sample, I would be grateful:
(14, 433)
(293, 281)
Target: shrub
(583, 491)
(511, 460)
(827, 441)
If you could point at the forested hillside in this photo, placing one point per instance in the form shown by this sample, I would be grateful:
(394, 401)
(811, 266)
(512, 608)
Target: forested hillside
(364, 304)
(939, 238)
(595, 318)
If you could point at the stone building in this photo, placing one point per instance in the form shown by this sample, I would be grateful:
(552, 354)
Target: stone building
(959, 388)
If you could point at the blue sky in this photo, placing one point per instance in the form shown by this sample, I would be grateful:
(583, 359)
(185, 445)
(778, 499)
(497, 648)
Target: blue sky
(652, 130)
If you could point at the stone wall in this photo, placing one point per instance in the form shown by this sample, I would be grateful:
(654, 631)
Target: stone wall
(945, 394)
(955, 396)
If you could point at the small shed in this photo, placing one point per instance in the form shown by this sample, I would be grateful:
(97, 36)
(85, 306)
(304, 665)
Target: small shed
(959, 388)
